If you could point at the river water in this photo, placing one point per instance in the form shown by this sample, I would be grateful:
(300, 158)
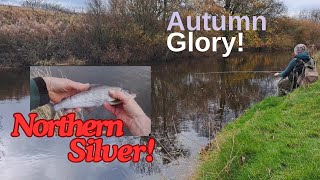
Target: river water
(192, 99)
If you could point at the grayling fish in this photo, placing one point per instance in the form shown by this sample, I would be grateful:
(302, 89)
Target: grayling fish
(95, 96)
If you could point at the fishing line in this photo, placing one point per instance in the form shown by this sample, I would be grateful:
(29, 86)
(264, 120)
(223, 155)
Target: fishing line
(226, 72)
(220, 72)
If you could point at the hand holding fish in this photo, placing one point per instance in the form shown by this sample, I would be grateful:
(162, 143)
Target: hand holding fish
(114, 99)
(60, 88)
(138, 123)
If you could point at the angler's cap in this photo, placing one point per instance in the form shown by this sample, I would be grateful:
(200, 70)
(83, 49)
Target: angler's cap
(300, 48)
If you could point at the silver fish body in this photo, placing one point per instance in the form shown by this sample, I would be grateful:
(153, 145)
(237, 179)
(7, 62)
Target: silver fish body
(93, 97)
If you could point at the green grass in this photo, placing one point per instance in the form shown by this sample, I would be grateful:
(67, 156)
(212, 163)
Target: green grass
(278, 138)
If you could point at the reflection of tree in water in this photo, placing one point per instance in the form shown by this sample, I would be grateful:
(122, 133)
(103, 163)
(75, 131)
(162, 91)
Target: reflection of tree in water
(170, 149)
(208, 101)
(144, 167)
(184, 92)
(14, 85)
(2, 153)
(163, 154)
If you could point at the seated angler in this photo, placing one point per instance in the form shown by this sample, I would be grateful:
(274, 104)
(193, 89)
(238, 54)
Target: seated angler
(293, 70)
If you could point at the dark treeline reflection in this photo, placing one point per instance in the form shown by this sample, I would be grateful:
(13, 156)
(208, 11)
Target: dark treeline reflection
(14, 85)
(191, 96)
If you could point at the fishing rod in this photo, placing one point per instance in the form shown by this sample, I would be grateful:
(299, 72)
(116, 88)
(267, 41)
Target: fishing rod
(223, 72)
(226, 72)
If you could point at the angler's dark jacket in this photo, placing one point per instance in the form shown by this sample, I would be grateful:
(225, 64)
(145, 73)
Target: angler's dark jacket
(38, 93)
(302, 56)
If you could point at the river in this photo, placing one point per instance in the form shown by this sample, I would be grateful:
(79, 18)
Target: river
(192, 99)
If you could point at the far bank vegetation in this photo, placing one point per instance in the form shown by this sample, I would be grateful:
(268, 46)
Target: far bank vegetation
(119, 31)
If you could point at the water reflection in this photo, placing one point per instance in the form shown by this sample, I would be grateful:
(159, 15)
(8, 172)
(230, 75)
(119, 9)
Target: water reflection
(46, 158)
(193, 93)
(190, 104)
(14, 85)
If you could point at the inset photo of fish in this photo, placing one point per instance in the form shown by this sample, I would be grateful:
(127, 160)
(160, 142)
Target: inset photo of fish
(94, 92)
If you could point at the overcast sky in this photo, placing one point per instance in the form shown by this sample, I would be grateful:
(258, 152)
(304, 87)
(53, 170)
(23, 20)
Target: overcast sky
(294, 6)
(71, 4)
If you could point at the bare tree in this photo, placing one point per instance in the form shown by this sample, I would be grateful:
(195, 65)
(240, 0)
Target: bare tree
(96, 7)
(312, 15)
(118, 7)
(40, 4)
(268, 8)
(97, 21)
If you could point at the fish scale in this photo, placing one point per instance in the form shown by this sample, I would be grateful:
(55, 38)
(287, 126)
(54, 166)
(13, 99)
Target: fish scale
(95, 96)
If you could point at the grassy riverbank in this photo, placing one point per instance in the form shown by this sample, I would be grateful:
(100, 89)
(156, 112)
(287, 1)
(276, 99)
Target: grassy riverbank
(279, 138)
